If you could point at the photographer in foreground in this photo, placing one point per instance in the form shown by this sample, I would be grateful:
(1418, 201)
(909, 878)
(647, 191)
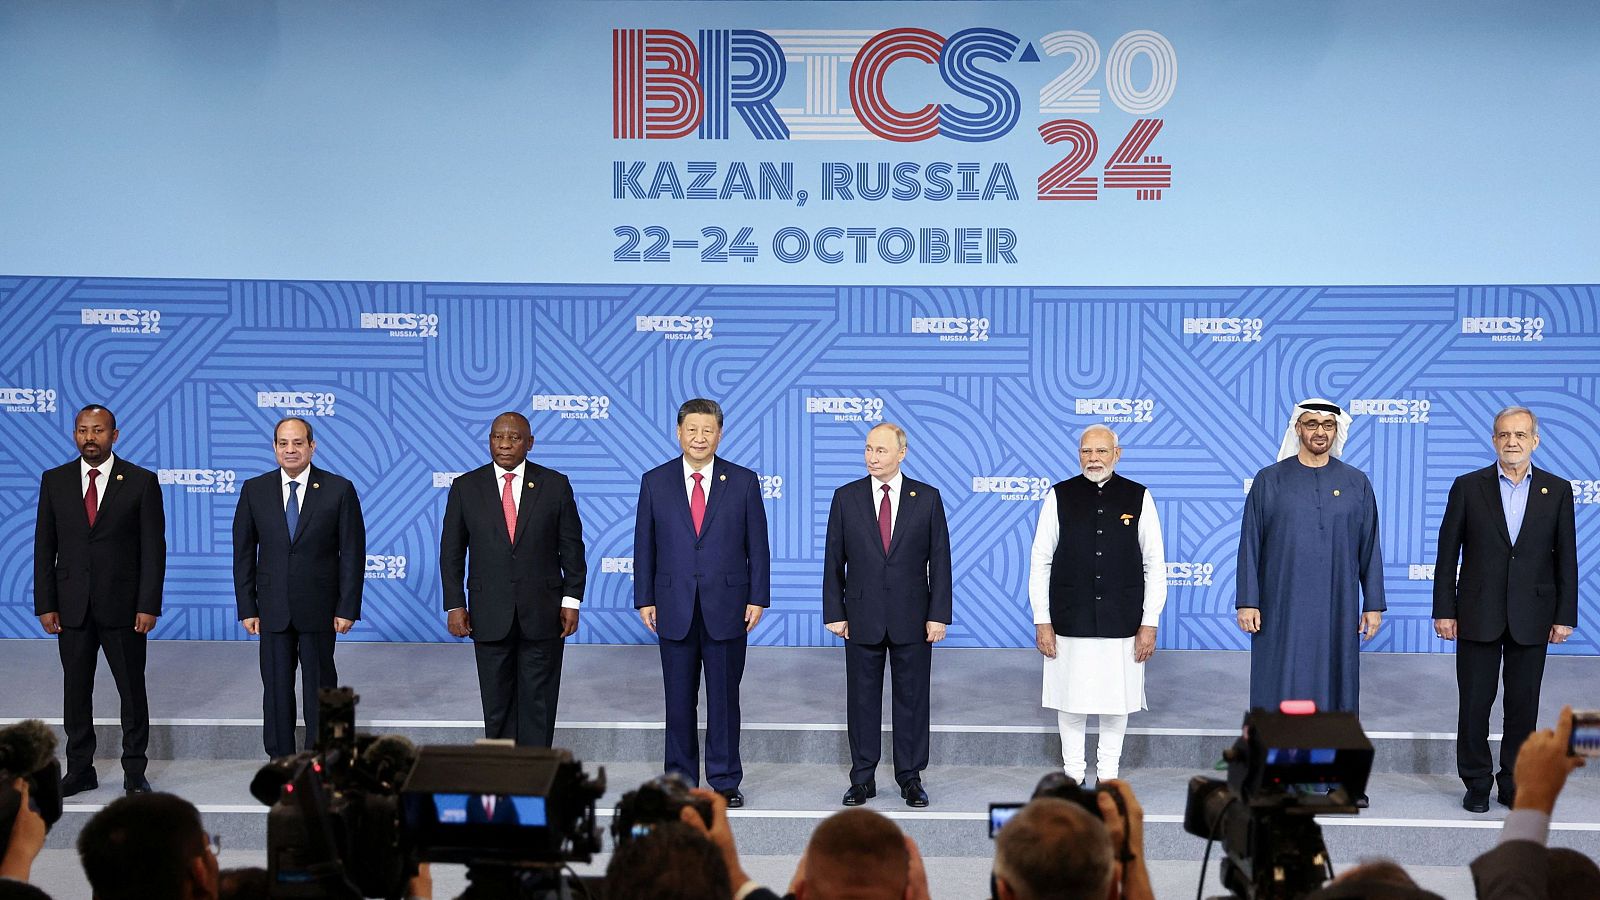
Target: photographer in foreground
(861, 855)
(720, 835)
(1056, 849)
(27, 836)
(1518, 867)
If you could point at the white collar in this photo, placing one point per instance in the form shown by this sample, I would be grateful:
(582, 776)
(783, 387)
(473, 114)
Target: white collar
(104, 468)
(688, 470)
(500, 474)
(893, 483)
(302, 479)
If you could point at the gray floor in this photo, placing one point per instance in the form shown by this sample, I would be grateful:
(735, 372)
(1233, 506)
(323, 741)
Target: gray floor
(991, 742)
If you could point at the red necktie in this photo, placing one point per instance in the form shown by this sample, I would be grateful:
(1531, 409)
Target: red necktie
(509, 505)
(697, 503)
(884, 518)
(91, 498)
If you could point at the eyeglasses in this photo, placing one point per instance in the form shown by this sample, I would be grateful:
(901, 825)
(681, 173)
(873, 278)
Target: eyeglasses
(1320, 426)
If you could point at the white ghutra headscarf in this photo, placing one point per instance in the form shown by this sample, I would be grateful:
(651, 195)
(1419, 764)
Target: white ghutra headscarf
(1291, 441)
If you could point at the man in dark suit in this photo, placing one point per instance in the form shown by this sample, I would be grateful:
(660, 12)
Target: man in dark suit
(299, 557)
(520, 604)
(886, 591)
(701, 580)
(491, 809)
(1512, 527)
(99, 558)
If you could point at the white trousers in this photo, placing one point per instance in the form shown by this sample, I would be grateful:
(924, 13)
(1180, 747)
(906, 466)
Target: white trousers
(1108, 753)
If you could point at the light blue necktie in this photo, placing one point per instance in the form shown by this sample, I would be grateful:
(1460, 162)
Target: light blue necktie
(291, 511)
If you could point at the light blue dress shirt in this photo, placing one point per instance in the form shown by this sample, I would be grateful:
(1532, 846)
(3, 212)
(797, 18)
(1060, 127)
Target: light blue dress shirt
(1514, 498)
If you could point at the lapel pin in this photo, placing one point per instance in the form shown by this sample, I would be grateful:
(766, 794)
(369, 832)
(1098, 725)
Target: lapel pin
(119, 477)
(913, 493)
(1541, 490)
(1336, 492)
(530, 484)
(722, 478)
(1127, 518)
(316, 484)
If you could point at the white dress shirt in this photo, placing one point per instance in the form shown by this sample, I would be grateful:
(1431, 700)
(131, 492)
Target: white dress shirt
(303, 479)
(894, 498)
(516, 501)
(705, 482)
(99, 483)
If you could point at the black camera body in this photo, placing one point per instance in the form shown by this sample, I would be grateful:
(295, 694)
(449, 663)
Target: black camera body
(334, 826)
(28, 751)
(658, 800)
(1282, 771)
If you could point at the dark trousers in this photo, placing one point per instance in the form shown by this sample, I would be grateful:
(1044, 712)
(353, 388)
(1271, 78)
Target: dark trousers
(723, 664)
(124, 650)
(911, 667)
(1477, 673)
(520, 681)
(280, 652)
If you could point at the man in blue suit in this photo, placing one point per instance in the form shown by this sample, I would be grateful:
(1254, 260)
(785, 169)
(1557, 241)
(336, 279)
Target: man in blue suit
(886, 591)
(701, 579)
(299, 557)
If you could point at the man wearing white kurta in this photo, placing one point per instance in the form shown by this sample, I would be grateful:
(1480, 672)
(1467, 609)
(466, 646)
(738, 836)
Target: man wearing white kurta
(1097, 584)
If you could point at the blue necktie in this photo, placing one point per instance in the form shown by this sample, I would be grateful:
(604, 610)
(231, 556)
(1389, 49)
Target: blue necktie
(291, 510)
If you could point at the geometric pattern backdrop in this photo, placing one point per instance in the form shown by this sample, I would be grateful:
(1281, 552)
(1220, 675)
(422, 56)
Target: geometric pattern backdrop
(992, 384)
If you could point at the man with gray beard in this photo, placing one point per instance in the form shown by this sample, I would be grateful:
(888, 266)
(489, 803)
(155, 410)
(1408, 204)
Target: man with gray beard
(1097, 585)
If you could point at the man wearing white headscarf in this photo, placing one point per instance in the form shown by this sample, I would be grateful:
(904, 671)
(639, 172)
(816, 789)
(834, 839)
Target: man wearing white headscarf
(1310, 571)
(1097, 584)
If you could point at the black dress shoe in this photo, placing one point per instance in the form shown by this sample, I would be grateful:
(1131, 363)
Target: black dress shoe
(136, 785)
(1476, 801)
(1506, 796)
(78, 782)
(734, 798)
(860, 793)
(914, 794)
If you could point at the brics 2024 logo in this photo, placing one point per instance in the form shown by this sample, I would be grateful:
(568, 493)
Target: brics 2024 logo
(28, 400)
(123, 321)
(200, 481)
(297, 403)
(676, 328)
(418, 325)
(667, 86)
(574, 406)
(952, 328)
(388, 567)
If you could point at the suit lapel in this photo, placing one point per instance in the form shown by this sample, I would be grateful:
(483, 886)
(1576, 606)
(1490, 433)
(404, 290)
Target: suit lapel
(108, 488)
(310, 500)
(908, 503)
(1491, 496)
(719, 477)
(532, 484)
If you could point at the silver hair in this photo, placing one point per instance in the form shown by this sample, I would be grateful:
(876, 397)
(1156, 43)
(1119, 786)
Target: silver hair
(1511, 411)
(899, 433)
(1100, 427)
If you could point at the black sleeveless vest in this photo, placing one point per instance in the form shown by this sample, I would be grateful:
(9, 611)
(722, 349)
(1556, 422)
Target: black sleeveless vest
(1097, 575)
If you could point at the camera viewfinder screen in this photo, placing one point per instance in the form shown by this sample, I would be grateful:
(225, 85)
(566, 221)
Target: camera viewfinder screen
(1586, 734)
(489, 809)
(1301, 756)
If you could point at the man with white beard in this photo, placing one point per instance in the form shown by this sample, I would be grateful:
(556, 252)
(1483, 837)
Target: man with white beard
(1097, 585)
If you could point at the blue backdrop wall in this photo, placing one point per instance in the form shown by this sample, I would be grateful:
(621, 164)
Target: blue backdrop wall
(402, 379)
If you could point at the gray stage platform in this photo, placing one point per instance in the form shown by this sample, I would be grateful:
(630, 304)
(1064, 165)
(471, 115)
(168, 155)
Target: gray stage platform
(991, 740)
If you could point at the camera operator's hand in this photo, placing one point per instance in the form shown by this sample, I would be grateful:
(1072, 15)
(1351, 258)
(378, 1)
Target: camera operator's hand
(1543, 765)
(27, 838)
(459, 622)
(421, 886)
(719, 832)
(1129, 831)
(1249, 619)
(1044, 637)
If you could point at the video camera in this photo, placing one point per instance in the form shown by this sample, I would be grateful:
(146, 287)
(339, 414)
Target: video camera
(652, 803)
(1284, 769)
(354, 817)
(28, 751)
